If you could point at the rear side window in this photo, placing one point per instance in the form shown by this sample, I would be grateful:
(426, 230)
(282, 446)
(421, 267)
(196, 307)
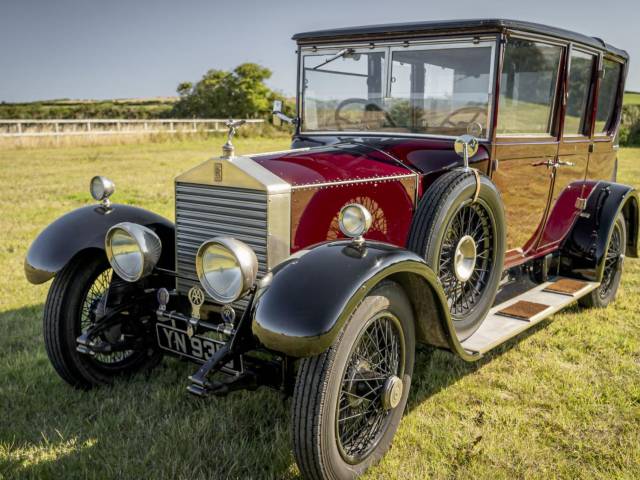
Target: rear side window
(528, 87)
(580, 78)
(608, 95)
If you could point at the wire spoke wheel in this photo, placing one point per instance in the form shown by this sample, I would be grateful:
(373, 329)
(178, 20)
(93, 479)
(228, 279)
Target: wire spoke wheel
(611, 262)
(92, 302)
(467, 258)
(371, 387)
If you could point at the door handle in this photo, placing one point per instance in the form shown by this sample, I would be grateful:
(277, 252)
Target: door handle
(550, 163)
(544, 163)
(563, 163)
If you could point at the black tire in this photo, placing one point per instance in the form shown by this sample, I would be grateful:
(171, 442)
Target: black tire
(64, 312)
(445, 202)
(320, 402)
(614, 262)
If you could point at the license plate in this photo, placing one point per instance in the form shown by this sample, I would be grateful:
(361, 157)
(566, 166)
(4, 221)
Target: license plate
(197, 348)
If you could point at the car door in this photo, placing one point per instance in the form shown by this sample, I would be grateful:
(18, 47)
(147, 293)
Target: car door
(570, 166)
(526, 140)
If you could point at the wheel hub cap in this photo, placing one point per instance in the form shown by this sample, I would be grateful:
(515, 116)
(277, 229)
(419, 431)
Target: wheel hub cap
(464, 260)
(392, 392)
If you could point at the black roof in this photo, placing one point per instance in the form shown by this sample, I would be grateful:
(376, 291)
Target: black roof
(454, 26)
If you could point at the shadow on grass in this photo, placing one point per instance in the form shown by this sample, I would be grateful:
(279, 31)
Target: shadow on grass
(149, 426)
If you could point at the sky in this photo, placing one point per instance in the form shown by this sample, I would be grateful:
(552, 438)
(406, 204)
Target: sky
(143, 48)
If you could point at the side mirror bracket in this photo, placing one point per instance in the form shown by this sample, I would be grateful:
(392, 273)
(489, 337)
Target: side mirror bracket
(277, 112)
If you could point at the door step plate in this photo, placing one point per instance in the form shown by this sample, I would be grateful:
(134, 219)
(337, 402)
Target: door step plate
(520, 313)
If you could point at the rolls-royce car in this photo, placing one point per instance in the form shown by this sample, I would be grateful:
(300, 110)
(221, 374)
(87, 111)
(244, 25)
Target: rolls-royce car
(449, 184)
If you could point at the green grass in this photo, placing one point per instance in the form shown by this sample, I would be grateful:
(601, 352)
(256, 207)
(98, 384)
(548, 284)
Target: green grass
(561, 401)
(632, 98)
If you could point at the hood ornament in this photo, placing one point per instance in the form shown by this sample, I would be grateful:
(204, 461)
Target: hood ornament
(228, 148)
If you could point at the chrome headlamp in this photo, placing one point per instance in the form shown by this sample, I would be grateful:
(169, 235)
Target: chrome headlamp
(133, 250)
(354, 220)
(227, 268)
(101, 189)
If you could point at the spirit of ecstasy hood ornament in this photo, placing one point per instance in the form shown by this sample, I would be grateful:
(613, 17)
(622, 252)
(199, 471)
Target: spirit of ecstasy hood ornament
(232, 125)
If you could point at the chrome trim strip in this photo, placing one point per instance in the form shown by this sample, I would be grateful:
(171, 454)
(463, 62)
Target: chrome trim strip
(358, 134)
(277, 152)
(352, 181)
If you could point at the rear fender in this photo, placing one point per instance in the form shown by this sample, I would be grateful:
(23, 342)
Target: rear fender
(583, 251)
(311, 297)
(85, 228)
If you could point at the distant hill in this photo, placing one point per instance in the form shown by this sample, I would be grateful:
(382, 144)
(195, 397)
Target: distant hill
(130, 108)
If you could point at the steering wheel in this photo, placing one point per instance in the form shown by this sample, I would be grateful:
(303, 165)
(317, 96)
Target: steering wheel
(368, 107)
(475, 111)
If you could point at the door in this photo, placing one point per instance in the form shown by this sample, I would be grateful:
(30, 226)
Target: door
(526, 139)
(570, 165)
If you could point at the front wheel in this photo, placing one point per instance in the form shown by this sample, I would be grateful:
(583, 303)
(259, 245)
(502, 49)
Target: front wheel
(349, 400)
(70, 309)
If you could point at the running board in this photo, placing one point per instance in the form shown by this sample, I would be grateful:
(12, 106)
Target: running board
(514, 316)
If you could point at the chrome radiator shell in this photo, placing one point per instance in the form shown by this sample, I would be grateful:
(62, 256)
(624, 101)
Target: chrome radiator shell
(234, 197)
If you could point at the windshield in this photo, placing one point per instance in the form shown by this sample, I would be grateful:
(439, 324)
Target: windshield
(438, 89)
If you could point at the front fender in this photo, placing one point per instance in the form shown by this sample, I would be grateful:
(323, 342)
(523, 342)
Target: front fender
(311, 297)
(584, 249)
(85, 228)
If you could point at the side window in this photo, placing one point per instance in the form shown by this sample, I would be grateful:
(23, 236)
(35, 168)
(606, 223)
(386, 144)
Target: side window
(580, 79)
(608, 95)
(528, 87)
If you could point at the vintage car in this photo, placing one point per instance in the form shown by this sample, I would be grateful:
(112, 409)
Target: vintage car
(450, 184)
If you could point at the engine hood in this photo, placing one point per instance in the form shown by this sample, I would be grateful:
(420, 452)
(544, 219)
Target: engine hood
(344, 162)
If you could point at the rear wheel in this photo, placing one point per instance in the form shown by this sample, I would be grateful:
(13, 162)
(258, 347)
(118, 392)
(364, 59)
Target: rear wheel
(612, 274)
(70, 308)
(349, 400)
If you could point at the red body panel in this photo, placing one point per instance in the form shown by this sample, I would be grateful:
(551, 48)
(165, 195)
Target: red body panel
(388, 176)
(326, 179)
(332, 164)
(563, 214)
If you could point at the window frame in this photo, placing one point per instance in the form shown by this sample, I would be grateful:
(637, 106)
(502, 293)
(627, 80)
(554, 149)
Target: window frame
(389, 46)
(612, 125)
(589, 119)
(553, 133)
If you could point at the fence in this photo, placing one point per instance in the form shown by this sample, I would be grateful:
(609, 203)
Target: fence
(60, 128)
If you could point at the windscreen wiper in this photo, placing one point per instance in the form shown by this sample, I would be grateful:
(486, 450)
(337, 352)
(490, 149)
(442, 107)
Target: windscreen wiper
(341, 53)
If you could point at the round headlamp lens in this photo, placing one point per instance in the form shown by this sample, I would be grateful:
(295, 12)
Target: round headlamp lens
(126, 255)
(133, 250)
(227, 268)
(355, 220)
(101, 188)
(221, 272)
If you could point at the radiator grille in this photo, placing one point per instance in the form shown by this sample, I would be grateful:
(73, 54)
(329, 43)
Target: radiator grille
(204, 211)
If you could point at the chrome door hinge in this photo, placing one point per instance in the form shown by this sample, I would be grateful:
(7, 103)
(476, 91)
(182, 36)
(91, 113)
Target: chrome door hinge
(581, 203)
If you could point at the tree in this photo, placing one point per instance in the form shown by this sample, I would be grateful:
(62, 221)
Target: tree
(240, 93)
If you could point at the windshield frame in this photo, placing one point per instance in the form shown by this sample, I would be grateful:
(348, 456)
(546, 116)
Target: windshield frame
(389, 47)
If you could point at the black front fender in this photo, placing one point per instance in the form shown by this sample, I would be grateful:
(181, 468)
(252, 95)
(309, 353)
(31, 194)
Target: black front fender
(585, 248)
(311, 297)
(85, 228)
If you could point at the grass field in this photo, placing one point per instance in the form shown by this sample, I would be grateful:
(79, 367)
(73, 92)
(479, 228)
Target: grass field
(561, 401)
(632, 98)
